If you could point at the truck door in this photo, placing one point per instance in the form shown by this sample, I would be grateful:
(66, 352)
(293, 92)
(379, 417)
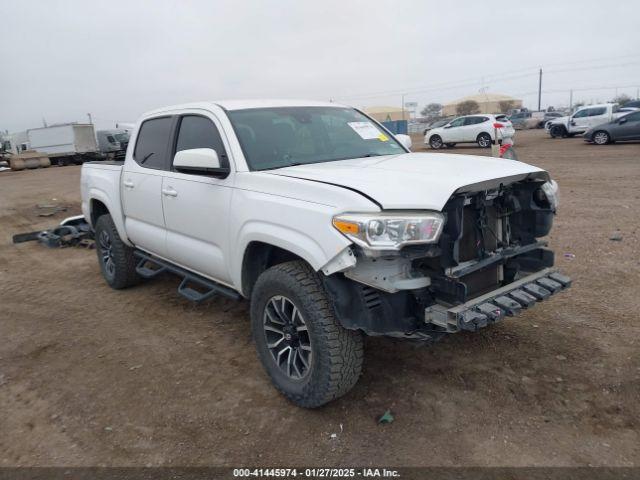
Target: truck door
(598, 116)
(142, 184)
(580, 121)
(196, 206)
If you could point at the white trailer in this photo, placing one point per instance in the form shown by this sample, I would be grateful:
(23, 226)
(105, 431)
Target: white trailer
(65, 143)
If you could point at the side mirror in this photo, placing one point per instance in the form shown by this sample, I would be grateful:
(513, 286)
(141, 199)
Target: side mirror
(199, 161)
(405, 140)
(448, 125)
(622, 120)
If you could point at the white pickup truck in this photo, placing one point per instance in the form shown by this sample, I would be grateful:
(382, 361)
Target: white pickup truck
(582, 120)
(328, 224)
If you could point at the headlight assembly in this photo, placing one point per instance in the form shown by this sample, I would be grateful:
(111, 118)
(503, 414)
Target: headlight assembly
(550, 190)
(390, 230)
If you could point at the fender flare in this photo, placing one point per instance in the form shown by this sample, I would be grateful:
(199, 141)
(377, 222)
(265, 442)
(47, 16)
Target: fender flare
(298, 243)
(114, 210)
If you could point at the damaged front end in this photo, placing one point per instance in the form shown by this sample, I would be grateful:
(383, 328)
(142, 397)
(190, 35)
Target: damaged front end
(487, 263)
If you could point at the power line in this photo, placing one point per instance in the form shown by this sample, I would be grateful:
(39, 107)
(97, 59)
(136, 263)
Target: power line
(495, 78)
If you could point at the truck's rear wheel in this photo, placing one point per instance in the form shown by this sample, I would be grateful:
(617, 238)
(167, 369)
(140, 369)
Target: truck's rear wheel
(117, 261)
(309, 356)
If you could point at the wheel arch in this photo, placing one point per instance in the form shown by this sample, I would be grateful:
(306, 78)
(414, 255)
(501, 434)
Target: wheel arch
(99, 204)
(260, 256)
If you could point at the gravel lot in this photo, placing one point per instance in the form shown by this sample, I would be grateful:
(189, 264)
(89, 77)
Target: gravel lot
(92, 376)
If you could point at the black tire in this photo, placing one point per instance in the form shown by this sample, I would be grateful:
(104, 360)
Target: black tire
(558, 131)
(335, 359)
(484, 140)
(435, 142)
(450, 145)
(119, 265)
(600, 137)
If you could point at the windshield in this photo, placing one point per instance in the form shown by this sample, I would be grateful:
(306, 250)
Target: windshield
(122, 137)
(281, 137)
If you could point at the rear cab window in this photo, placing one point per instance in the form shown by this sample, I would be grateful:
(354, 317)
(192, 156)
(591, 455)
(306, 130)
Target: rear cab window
(153, 142)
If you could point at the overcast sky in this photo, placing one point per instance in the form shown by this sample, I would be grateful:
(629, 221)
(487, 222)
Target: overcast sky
(117, 59)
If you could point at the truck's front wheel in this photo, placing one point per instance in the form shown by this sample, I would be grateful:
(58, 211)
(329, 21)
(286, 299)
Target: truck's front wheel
(117, 262)
(309, 356)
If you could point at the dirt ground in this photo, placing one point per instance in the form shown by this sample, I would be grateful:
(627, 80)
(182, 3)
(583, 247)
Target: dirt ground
(92, 376)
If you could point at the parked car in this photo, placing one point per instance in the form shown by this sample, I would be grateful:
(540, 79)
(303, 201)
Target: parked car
(582, 120)
(327, 224)
(632, 103)
(626, 127)
(113, 142)
(436, 124)
(469, 129)
(526, 120)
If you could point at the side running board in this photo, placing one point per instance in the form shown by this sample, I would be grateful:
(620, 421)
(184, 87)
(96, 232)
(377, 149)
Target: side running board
(193, 287)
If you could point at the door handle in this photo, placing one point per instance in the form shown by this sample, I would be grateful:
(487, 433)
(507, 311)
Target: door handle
(128, 184)
(169, 192)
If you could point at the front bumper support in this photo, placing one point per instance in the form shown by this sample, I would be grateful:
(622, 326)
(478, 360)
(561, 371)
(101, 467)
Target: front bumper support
(493, 306)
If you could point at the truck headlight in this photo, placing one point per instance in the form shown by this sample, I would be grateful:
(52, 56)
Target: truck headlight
(390, 230)
(550, 190)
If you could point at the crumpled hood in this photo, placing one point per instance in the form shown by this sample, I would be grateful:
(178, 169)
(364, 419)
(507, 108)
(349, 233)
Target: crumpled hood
(415, 180)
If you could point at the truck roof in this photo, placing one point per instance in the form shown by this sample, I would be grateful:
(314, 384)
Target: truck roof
(245, 104)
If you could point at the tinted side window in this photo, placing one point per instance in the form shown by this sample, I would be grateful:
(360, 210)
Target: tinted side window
(582, 113)
(152, 143)
(458, 122)
(633, 117)
(474, 120)
(199, 132)
(597, 111)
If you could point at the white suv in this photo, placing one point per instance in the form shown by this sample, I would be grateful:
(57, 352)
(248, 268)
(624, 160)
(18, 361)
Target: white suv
(470, 129)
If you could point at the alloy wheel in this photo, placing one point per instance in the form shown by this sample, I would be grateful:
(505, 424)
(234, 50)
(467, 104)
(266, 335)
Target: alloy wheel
(287, 337)
(601, 138)
(106, 253)
(484, 141)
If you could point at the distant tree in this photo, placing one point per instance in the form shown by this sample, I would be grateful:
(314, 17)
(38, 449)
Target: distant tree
(431, 110)
(506, 105)
(551, 108)
(468, 107)
(621, 99)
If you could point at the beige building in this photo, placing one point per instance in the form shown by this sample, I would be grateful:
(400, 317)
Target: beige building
(386, 114)
(488, 103)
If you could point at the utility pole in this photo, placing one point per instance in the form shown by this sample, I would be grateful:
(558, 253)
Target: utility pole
(540, 90)
(403, 106)
(44, 122)
(570, 99)
(90, 120)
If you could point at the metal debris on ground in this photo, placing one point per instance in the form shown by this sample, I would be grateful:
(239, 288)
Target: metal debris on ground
(72, 231)
(49, 210)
